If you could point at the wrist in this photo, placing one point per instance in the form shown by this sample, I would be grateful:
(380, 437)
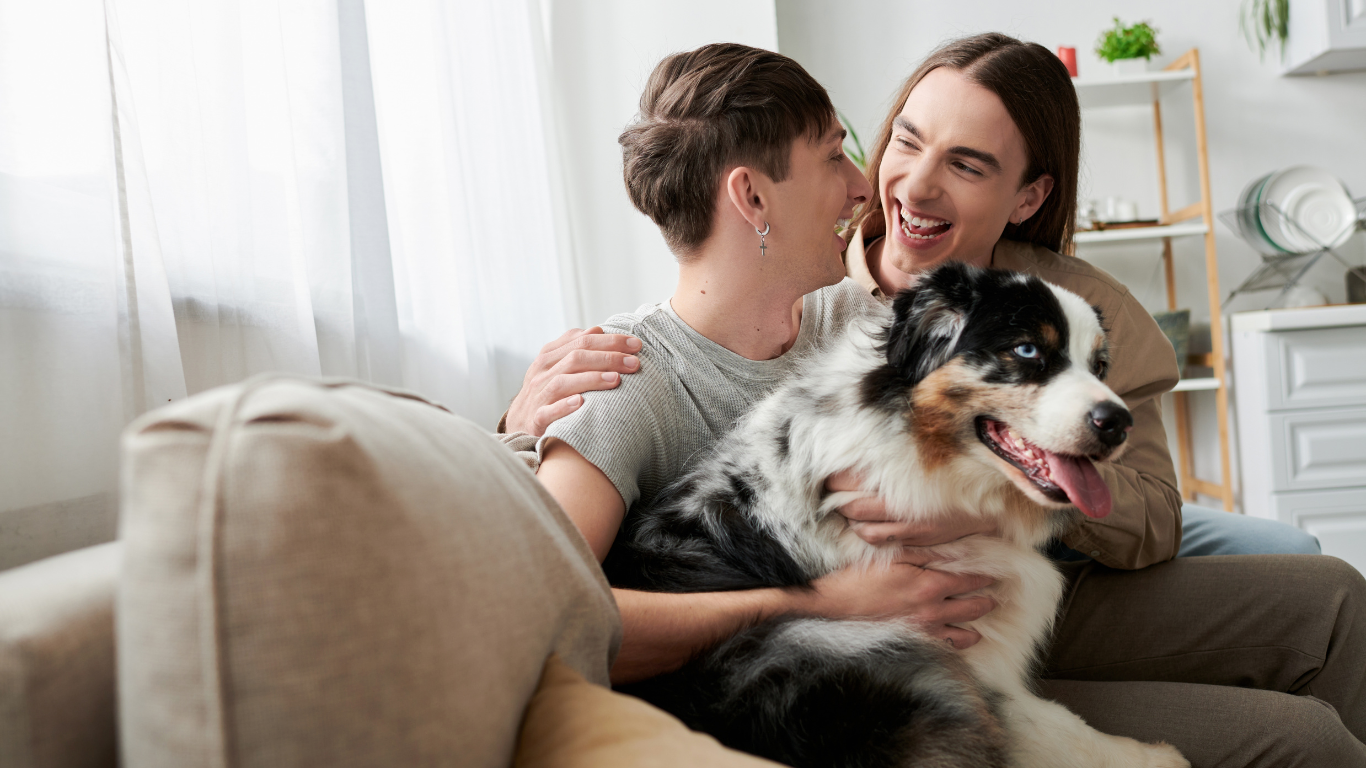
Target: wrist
(798, 601)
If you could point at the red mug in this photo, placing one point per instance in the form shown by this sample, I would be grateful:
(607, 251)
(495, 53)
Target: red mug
(1069, 59)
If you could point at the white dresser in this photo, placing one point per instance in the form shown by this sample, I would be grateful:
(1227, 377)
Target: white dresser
(1299, 383)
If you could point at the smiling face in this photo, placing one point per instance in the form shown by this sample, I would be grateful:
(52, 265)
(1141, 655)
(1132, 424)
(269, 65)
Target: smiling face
(817, 198)
(953, 175)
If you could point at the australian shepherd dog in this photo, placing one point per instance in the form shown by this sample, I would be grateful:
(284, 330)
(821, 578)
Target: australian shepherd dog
(979, 392)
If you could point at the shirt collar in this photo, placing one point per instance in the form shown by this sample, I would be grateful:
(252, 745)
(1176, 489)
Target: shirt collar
(856, 265)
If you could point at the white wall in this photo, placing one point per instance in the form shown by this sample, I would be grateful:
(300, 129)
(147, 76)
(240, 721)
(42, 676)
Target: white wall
(1256, 120)
(602, 51)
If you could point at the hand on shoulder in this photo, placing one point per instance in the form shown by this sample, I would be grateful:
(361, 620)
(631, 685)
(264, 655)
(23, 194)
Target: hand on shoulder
(577, 362)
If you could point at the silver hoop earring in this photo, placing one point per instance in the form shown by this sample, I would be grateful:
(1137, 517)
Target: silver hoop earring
(763, 248)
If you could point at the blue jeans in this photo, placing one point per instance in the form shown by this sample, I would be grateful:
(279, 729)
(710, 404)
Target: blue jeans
(1206, 531)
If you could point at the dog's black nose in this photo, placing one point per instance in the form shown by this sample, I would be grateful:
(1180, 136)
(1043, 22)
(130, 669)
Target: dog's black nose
(1111, 423)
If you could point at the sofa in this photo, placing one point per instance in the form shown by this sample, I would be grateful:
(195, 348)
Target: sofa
(316, 572)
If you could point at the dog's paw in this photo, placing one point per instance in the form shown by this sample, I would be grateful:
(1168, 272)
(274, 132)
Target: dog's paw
(1163, 755)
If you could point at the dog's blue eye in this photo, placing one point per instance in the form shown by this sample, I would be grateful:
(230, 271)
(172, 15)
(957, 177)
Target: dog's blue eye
(1027, 351)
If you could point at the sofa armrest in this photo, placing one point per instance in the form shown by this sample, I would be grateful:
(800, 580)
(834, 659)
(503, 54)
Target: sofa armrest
(57, 661)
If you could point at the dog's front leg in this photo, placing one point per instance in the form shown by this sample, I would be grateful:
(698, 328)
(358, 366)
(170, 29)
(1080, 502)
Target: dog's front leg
(1045, 734)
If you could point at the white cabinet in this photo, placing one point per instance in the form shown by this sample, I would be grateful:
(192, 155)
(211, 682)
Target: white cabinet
(1326, 36)
(1299, 379)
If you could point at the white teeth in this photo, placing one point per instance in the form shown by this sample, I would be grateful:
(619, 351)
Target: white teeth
(916, 221)
(906, 230)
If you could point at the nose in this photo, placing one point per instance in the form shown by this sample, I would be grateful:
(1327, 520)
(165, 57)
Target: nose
(859, 190)
(1111, 423)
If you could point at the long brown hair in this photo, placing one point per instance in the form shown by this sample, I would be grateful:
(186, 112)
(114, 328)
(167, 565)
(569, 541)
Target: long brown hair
(1038, 93)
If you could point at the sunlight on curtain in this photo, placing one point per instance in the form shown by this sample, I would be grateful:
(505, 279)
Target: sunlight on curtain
(467, 176)
(193, 193)
(62, 379)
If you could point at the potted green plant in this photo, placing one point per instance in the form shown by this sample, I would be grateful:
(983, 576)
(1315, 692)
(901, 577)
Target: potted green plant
(1128, 49)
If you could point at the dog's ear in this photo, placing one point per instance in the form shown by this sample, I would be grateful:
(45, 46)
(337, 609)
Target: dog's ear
(929, 319)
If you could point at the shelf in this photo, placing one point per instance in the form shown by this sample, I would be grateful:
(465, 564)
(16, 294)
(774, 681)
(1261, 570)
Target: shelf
(1196, 385)
(1130, 90)
(1141, 233)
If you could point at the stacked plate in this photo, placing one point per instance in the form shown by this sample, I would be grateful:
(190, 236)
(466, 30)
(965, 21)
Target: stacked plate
(1297, 210)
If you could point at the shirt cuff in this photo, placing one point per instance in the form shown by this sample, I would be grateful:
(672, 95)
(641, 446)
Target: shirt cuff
(523, 445)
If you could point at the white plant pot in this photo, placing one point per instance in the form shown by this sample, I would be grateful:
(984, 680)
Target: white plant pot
(1129, 67)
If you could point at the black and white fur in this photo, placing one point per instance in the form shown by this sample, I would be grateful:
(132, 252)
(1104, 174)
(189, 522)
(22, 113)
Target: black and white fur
(938, 403)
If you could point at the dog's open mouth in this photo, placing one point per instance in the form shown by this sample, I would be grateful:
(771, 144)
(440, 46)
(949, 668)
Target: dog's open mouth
(1060, 477)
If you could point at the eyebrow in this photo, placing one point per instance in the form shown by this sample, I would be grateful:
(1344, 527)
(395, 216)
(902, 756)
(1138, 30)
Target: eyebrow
(986, 158)
(833, 135)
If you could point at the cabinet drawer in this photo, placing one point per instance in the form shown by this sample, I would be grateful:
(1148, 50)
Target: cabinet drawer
(1316, 368)
(1337, 518)
(1319, 449)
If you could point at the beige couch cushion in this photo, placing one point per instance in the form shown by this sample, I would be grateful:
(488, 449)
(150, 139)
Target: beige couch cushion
(57, 661)
(572, 723)
(325, 573)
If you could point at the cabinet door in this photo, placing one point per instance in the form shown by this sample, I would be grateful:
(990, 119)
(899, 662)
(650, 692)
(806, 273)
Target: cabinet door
(1337, 518)
(1319, 449)
(1317, 368)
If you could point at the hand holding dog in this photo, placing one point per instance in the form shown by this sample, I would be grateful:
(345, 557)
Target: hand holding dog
(928, 598)
(870, 521)
(578, 361)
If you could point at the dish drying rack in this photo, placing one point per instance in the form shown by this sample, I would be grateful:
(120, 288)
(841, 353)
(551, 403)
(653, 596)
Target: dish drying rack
(1279, 268)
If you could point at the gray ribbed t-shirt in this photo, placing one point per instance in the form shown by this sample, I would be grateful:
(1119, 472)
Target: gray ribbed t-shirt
(688, 392)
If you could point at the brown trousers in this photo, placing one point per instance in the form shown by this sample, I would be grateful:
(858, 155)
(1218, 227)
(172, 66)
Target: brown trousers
(1247, 660)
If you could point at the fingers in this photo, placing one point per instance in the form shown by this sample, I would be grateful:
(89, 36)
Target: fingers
(568, 384)
(957, 637)
(847, 480)
(961, 610)
(918, 556)
(591, 340)
(548, 414)
(869, 509)
(582, 360)
(568, 336)
(878, 533)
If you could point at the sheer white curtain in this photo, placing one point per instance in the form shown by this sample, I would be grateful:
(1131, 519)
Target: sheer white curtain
(192, 193)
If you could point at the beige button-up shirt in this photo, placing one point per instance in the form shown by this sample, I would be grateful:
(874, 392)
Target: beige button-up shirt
(1144, 526)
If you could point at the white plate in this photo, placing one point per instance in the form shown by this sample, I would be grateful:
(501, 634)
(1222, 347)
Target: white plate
(1247, 211)
(1316, 200)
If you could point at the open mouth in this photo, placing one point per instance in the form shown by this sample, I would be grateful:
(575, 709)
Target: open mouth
(843, 230)
(917, 227)
(1059, 477)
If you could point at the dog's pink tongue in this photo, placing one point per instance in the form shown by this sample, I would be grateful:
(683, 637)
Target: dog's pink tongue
(1078, 478)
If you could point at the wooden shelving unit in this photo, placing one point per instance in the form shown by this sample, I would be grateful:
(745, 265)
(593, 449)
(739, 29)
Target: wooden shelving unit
(1195, 220)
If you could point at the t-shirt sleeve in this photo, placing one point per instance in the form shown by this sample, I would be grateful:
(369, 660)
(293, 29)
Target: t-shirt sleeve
(621, 431)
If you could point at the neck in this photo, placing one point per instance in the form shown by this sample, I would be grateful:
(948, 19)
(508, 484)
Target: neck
(745, 305)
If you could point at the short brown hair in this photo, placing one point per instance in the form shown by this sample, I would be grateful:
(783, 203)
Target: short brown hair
(703, 110)
(1038, 93)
